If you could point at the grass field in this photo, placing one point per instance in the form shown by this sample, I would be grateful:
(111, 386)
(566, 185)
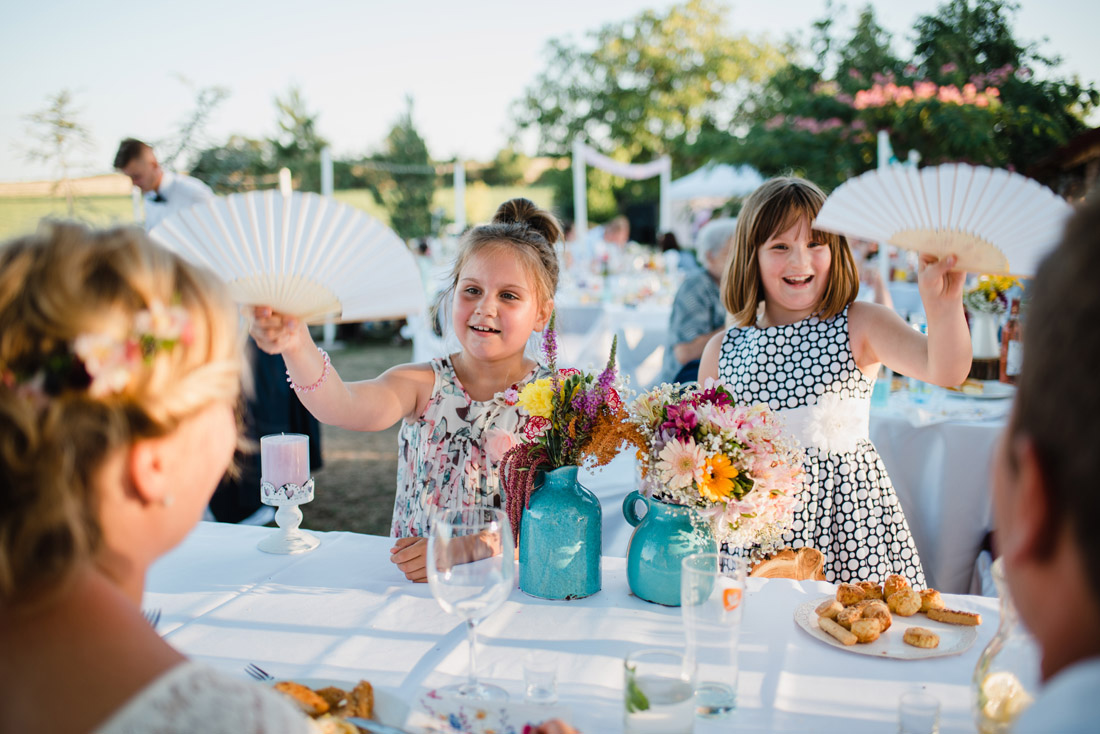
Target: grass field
(20, 215)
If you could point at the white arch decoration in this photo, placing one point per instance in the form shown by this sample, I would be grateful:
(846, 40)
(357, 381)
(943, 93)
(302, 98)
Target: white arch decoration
(583, 156)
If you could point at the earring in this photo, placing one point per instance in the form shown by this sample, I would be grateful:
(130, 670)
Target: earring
(167, 500)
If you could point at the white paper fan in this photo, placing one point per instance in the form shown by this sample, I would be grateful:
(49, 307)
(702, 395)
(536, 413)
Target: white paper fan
(993, 220)
(302, 254)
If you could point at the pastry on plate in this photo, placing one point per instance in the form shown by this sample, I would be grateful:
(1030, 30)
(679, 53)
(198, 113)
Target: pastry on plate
(904, 603)
(921, 637)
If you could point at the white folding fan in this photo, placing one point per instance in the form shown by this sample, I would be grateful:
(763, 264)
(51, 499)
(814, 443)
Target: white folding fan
(303, 254)
(993, 220)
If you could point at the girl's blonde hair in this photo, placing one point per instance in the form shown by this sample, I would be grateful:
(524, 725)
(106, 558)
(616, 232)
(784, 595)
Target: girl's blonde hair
(775, 207)
(55, 286)
(523, 229)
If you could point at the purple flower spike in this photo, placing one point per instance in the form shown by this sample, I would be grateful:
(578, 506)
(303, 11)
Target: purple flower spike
(550, 343)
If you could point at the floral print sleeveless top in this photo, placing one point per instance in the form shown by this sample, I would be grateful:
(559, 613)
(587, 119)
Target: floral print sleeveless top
(450, 456)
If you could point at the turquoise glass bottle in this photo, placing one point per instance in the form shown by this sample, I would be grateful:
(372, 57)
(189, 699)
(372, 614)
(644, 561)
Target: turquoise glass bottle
(662, 538)
(561, 539)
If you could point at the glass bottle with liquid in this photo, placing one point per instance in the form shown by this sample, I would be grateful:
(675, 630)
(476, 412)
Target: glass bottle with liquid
(1012, 345)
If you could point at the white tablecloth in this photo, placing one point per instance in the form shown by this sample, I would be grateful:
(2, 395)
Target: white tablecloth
(344, 612)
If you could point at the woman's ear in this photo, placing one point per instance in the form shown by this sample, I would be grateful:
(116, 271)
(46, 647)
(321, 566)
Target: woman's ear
(149, 470)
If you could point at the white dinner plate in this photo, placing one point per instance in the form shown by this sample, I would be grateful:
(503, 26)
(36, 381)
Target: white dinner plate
(954, 638)
(991, 390)
(388, 708)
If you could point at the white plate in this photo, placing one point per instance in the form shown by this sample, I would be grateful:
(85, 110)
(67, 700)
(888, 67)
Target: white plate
(954, 638)
(388, 708)
(991, 390)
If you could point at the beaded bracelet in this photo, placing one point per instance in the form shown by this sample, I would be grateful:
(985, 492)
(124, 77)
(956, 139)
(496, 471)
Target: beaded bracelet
(310, 388)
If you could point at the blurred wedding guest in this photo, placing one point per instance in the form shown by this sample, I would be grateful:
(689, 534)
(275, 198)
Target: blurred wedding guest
(1044, 483)
(121, 366)
(604, 247)
(675, 257)
(697, 311)
(871, 285)
(165, 192)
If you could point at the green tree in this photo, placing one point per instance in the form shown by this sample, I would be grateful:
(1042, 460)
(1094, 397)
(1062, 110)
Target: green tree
(239, 165)
(298, 145)
(58, 137)
(970, 93)
(652, 85)
(507, 168)
(404, 179)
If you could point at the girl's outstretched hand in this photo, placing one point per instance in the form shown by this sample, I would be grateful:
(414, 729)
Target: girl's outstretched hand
(411, 557)
(276, 333)
(940, 287)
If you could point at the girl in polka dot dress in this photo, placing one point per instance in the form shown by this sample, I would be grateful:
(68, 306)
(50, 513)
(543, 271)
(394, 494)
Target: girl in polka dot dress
(803, 345)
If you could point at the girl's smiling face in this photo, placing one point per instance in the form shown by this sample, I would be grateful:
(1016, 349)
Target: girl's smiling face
(497, 305)
(794, 271)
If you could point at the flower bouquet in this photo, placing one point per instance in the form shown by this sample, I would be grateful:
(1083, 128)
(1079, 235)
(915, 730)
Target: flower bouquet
(988, 294)
(734, 466)
(576, 418)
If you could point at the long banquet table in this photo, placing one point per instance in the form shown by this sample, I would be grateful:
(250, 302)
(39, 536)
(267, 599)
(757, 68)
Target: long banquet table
(344, 612)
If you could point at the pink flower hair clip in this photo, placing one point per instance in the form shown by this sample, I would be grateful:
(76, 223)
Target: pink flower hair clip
(104, 364)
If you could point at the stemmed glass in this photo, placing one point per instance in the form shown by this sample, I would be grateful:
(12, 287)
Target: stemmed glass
(471, 571)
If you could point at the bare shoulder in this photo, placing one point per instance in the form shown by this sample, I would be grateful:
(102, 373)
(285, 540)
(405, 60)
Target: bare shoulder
(865, 317)
(708, 363)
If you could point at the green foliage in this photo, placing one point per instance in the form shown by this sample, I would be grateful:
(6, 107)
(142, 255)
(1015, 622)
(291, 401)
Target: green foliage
(406, 182)
(239, 165)
(507, 168)
(970, 94)
(652, 85)
(298, 145)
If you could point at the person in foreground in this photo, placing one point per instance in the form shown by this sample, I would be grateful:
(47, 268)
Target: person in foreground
(459, 413)
(119, 372)
(1045, 501)
(803, 347)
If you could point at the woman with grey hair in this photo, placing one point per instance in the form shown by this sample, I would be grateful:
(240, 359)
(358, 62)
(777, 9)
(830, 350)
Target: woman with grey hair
(697, 311)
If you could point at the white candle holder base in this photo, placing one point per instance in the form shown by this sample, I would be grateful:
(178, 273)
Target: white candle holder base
(288, 539)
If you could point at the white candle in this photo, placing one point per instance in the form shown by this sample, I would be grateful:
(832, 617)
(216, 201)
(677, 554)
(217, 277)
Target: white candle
(284, 458)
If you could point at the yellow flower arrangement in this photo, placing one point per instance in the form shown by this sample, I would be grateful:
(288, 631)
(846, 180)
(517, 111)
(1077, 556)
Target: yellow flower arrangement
(988, 294)
(537, 398)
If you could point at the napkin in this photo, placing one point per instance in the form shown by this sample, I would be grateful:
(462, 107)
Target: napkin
(482, 717)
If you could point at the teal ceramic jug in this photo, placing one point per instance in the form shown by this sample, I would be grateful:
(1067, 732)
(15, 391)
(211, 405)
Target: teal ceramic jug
(662, 538)
(561, 539)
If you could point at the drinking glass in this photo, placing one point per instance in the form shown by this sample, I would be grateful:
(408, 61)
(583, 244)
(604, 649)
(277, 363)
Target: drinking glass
(918, 713)
(659, 693)
(471, 571)
(712, 589)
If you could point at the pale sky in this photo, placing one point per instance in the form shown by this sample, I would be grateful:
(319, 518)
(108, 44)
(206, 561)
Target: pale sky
(464, 63)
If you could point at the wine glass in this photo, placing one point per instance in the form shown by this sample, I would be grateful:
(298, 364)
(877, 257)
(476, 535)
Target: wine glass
(471, 571)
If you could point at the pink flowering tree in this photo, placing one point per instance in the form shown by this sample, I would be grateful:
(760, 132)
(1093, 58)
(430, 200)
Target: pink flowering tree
(971, 93)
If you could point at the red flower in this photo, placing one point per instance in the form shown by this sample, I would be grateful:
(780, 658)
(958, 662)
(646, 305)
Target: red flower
(614, 401)
(568, 371)
(536, 426)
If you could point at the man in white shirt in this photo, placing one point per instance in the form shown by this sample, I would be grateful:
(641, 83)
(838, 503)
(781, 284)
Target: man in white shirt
(165, 192)
(1046, 477)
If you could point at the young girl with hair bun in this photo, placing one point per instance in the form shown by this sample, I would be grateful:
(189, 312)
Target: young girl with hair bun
(119, 365)
(803, 346)
(459, 414)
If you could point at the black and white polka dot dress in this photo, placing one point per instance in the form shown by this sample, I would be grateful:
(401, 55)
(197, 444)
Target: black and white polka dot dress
(806, 371)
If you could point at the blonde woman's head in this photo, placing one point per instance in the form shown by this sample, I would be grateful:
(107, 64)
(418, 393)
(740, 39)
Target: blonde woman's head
(67, 407)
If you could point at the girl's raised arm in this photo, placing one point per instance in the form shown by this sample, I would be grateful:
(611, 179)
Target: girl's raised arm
(369, 405)
(943, 357)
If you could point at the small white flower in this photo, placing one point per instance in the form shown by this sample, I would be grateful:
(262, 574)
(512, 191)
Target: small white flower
(834, 424)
